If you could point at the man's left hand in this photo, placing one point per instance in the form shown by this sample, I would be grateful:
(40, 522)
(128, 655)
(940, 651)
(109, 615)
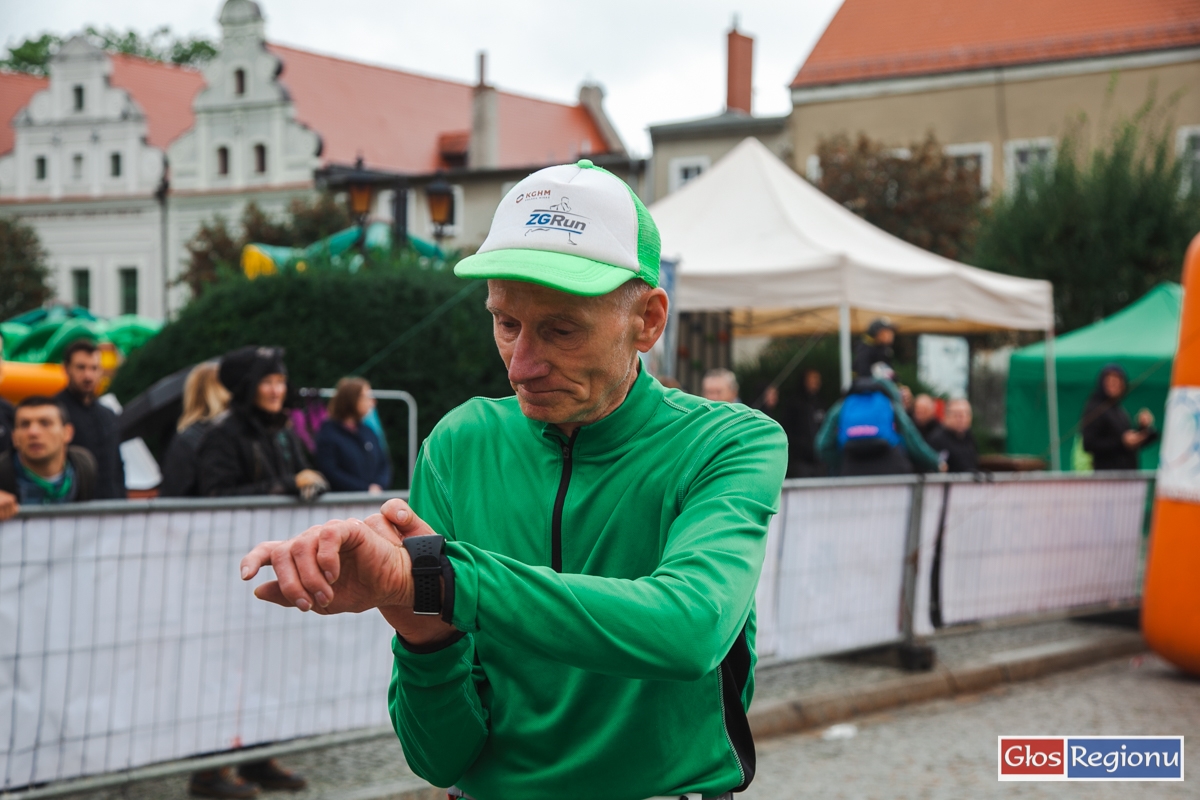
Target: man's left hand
(8, 506)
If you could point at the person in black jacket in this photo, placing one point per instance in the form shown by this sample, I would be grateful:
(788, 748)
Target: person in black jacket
(252, 450)
(96, 428)
(1107, 432)
(954, 440)
(349, 453)
(875, 347)
(204, 400)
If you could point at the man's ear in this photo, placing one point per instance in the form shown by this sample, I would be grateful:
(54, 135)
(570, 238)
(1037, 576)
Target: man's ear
(68, 433)
(653, 308)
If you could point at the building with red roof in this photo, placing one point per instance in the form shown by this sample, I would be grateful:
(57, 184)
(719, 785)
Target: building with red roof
(84, 153)
(997, 82)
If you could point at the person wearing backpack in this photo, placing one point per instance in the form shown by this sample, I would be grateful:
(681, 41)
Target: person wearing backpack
(868, 433)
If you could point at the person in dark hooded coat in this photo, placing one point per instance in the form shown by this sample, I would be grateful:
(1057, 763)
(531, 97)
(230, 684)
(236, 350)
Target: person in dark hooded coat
(1107, 433)
(875, 348)
(252, 450)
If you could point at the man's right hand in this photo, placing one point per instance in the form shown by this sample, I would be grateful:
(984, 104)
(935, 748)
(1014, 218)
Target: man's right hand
(8, 506)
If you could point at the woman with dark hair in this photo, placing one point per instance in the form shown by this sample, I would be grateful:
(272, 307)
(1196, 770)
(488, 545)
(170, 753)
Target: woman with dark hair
(349, 453)
(1107, 432)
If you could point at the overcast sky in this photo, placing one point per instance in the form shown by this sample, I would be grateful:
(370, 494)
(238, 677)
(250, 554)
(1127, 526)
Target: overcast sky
(658, 61)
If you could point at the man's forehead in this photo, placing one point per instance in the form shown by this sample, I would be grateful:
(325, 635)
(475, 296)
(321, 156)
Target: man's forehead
(525, 297)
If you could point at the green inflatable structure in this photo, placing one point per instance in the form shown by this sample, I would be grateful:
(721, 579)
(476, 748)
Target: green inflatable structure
(41, 336)
(342, 250)
(1141, 337)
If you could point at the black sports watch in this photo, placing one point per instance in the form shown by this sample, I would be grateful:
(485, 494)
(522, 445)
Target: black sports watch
(426, 555)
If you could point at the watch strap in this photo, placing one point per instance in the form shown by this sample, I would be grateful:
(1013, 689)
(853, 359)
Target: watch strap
(426, 555)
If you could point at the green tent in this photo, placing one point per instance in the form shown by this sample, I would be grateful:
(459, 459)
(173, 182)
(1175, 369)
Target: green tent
(1141, 337)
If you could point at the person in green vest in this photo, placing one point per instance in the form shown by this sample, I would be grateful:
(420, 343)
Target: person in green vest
(572, 582)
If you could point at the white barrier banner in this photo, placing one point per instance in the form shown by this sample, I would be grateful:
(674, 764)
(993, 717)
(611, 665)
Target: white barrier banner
(129, 638)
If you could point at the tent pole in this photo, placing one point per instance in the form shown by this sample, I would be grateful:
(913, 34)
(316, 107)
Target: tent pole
(1052, 402)
(844, 343)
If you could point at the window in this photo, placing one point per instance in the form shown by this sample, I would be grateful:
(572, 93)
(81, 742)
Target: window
(975, 155)
(39, 168)
(77, 167)
(239, 82)
(222, 160)
(81, 283)
(682, 170)
(129, 290)
(260, 159)
(78, 92)
(1187, 147)
(114, 165)
(1023, 155)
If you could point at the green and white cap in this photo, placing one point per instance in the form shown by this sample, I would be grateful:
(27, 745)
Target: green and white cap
(576, 228)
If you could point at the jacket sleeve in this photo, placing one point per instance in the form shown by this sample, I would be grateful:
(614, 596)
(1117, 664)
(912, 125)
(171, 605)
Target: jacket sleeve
(178, 469)
(677, 623)
(433, 700)
(826, 444)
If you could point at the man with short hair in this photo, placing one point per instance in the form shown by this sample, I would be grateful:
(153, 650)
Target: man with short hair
(96, 428)
(586, 627)
(954, 441)
(924, 416)
(43, 468)
(720, 386)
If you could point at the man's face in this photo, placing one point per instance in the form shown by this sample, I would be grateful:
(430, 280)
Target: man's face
(886, 337)
(271, 392)
(812, 381)
(718, 389)
(924, 409)
(40, 435)
(570, 359)
(958, 416)
(83, 372)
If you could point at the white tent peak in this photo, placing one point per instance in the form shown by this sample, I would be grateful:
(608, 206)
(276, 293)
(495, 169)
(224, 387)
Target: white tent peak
(751, 235)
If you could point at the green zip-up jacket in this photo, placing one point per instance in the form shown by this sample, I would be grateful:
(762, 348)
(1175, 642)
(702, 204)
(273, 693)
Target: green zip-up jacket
(604, 591)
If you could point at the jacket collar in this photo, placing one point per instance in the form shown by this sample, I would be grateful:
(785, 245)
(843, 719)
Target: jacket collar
(618, 427)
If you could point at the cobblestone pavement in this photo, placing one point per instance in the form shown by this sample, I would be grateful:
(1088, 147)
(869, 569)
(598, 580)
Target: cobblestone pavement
(947, 748)
(376, 770)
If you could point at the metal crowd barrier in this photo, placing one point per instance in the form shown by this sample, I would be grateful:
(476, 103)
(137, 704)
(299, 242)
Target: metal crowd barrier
(127, 638)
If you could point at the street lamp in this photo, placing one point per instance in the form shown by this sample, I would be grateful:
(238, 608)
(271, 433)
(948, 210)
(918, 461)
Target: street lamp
(440, 197)
(361, 186)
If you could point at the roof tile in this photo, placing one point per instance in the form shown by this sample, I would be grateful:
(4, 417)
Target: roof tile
(878, 39)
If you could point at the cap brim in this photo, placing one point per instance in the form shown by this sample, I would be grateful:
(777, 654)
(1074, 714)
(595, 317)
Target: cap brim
(566, 273)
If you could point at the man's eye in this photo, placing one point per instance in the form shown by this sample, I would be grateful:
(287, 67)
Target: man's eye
(562, 332)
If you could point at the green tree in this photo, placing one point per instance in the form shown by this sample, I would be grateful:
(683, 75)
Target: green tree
(215, 251)
(24, 276)
(33, 54)
(334, 323)
(1103, 226)
(918, 194)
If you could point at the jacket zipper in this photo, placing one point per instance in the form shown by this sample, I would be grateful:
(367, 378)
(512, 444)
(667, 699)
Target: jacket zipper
(559, 501)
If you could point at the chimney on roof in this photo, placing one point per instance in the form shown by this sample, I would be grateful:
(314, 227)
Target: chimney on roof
(739, 77)
(484, 149)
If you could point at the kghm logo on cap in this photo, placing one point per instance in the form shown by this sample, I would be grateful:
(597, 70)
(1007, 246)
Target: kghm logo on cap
(557, 217)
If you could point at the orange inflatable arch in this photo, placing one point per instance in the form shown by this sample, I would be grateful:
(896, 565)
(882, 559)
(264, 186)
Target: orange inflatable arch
(1171, 596)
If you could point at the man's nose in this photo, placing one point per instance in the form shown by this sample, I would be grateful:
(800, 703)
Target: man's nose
(527, 363)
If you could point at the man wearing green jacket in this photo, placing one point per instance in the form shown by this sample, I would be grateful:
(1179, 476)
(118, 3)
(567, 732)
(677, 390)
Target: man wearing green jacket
(586, 629)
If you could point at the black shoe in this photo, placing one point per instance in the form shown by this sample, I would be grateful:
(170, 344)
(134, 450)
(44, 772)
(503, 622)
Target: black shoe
(270, 775)
(222, 783)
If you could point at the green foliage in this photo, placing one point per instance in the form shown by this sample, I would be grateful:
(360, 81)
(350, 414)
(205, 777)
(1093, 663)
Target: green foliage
(924, 197)
(24, 276)
(332, 323)
(33, 54)
(215, 252)
(1104, 226)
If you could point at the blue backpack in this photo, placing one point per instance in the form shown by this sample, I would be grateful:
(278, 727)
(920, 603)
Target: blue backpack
(867, 419)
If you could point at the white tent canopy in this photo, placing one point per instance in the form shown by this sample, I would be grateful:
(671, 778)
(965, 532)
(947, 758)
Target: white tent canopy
(751, 236)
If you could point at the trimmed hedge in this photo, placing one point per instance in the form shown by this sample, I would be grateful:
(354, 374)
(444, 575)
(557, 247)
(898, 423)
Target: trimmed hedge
(332, 323)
